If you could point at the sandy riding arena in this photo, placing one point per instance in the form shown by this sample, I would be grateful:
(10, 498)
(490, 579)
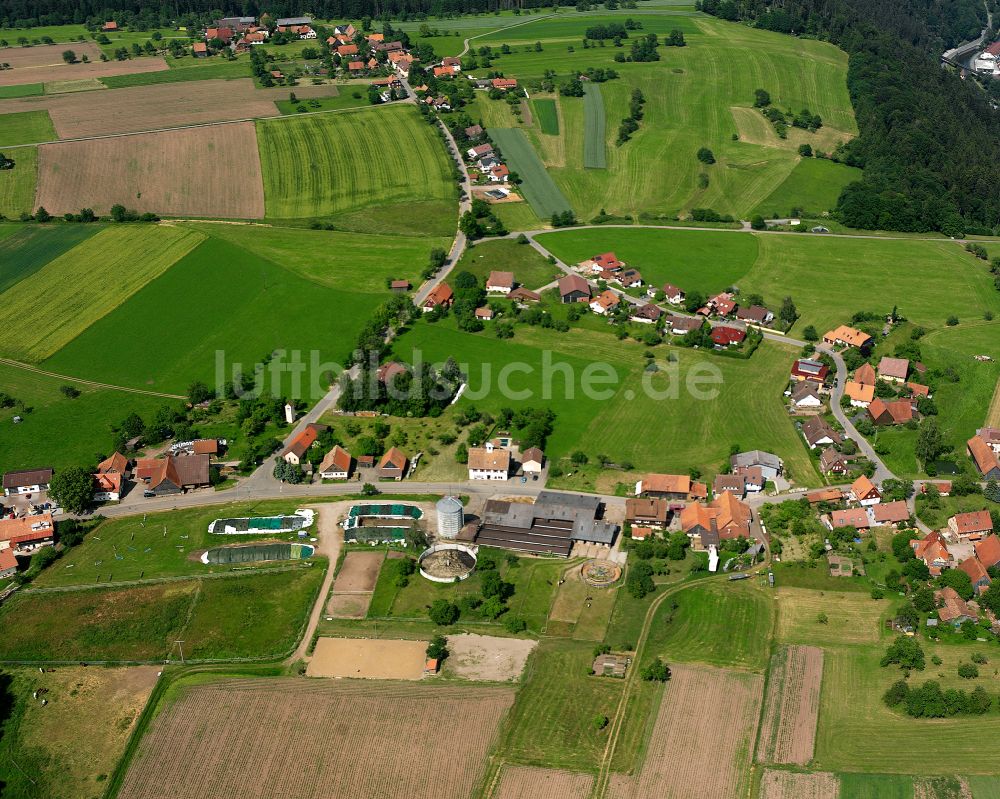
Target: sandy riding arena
(487, 657)
(519, 782)
(220, 178)
(312, 739)
(368, 658)
(359, 572)
(707, 716)
(788, 734)
(789, 785)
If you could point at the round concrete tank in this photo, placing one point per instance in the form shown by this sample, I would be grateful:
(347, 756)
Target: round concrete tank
(451, 517)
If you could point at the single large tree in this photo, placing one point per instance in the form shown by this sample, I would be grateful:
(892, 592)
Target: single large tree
(73, 489)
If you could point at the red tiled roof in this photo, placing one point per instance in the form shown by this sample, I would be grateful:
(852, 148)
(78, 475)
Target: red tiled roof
(978, 521)
(988, 551)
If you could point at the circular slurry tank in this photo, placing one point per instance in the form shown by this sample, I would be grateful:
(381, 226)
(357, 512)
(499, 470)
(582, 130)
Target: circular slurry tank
(600, 573)
(445, 563)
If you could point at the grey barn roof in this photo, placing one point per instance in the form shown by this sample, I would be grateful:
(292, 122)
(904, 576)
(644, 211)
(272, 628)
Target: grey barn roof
(565, 517)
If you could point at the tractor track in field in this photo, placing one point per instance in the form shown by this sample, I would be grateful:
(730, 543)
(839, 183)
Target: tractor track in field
(92, 383)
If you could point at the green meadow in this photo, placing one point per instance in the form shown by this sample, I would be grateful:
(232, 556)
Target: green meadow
(26, 127)
(546, 113)
(812, 187)
(17, 185)
(594, 128)
(21, 90)
(184, 70)
(29, 248)
(531, 269)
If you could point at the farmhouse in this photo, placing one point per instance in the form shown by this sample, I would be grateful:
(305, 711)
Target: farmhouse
(604, 302)
(24, 535)
(392, 465)
(665, 486)
(817, 431)
(647, 314)
(851, 517)
(890, 514)
(479, 151)
(441, 295)
(724, 517)
(864, 492)
(971, 526)
(550, 525)
(647, 512)
(109, 27)
(108, 486)
(847, 337)
(986, 460)
(679, 325)
(805, 369)
(988, 551)
(295, 452)
(865, 375)
(500, 282)
(336, 464)
(770, 464)
(239, 24)
(860, 394)
(952, 609)
(724, 337)
(116, 463)
(532, 460)
(821, 495)
(933, 552)
(833, 462)
(173, 475)
(755, 315)
(893, 369)
(505, 84)
(890, 413)
(489, 462)
(991, 436)
(977, 574)
(573, 288)
(27, 481)
(805, 395)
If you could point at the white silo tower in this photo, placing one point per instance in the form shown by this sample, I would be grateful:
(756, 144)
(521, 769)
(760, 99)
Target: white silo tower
(451, 517)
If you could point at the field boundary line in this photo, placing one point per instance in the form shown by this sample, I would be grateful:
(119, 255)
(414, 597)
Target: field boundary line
(28, 368)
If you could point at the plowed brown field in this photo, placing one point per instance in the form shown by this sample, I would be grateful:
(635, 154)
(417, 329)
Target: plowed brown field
(788, 734)
(167, 105)
(789, 785)
(46, 55)
(211, 172)
(519, 782)
(289, 737)
(701, 742)
(48, 70)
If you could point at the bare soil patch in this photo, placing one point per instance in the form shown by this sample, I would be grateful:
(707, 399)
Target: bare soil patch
(366, 658)
(788, 734)
(289, 737)
(210, 172)
(348, 606)
(79, 71)
(46, 55)
(789, 785)
(519, 782)
(358, 572)
(700, 745)
(140, 108)
(487, 657)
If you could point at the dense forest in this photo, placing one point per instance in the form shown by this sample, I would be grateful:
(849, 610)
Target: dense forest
(929, 139)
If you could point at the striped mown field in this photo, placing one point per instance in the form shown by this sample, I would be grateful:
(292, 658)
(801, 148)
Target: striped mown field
(594, 128)
(538, 188)
(547, 115)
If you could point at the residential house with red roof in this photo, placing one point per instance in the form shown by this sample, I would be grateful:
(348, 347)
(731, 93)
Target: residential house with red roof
(296, 451)
(860, 394)
(865, 375)
(851, 517)
(932, 551)
(977, 574)
(108, 486)
(392, 465)
(847, 337)
(971, 526)
(647, 314)
(987, 461)
(808, 369)
(864, 492)
(894, 370)
(442, 295)
(336, 464)
(893, 412)
(722, 518)
(605, 302)
(500, 282)
(890, 514)
(505, 84)
(988, 550)
(723, 336)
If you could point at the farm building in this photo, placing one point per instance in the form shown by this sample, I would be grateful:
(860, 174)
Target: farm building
(573, 288)
(724, 517)
(977, 574)
(24, 535)
(932, 551)
(441, 295)
(669, 486)
(392, 466)
(489, 462)
(860, 394)
(770, 464)
(609, 665)
(500, 282)
(336, 464)
(172, 475)
(26, 481)
(971, 526)
(647, 512)
(865, 375)
(982, 454)
(451, 517)
(108, 486)
(295, 452)
(116, 463)
(890, 413)
(893, 369)
(532, 460)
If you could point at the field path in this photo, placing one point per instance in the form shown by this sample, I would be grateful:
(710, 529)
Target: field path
(67, 378)
(330, 543)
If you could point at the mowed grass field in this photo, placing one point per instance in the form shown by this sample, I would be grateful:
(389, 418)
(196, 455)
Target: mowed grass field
(29, 247)
(337, 163)
(664, 423)
(17, 185)
(25, 127)
(547, 115)
(234, 311)
(531, 269)
(84, 284)
(691, 95)
(852, 617)
(812, 187)
(594, 128)
(229, 617)
(537, 187)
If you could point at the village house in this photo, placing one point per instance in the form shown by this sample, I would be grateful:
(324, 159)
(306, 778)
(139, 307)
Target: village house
(392, 465)
(735, 484)
(932, 551)
(860, 394)
(671, 293)
(295, 452)
(755, 315)
(982, 454)
(679, 325)
(864, 492)
(990, 435)
(988, 551)
(499, 174)
(822, 495)
(474, 132)
(918, 390)
(489, 462)
(223, 35)
(504, 84)
(723, 336)
(500, 283)
(647, 314)
(806, 396)
(977, 574)
(865, 375)
(890, 514)
(532, 460)
(817, 431)
(971, 526)
(109, 27)
(952, 609)
(479, 151)
(720, 305)
(847, 337)
(943, 487)
(850, 517)
(173, 475)
(400, 286)
(630, 278)
(669, 486)
(336, 464)
(805, 369)
(893, 369)
(26, 481)
(108, 486)
(388, 371)
(604, 262)
(605, 302)
(441, 295)
(573, 288)
(833, 462)
(199, 50)
(723, 518)
(892, 412)
(486, 314)
(27, 534)
(770, 464)
(652, 513)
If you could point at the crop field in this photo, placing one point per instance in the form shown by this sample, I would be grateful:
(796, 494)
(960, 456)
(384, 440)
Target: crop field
(794, 785)
(64, 748)
(231, 617)
(183, 70)
(233, 311)
(984, 787)
(594, 128)
(438, 743)
(380, 156)
(220, 178)
(720, 624)
(60, 431)
(686, 427)
(31, 247)
(141, 108)
(546, 113)
(812, 187)
(875, 786)
(521, 781)
(788, 731)
(85, 283)
(17, 185)
(23, 90)
(702, 261)
(25, 127)
(531, 269)
(45, 55)
(79, 70)
(537, 187)
(691, 731)
(852, 617)
(858, 732)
